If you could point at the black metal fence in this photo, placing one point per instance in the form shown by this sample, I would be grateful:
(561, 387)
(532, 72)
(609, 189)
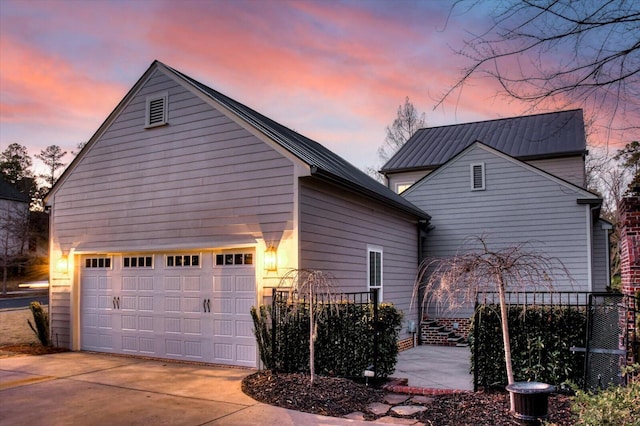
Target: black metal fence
(611, 340)
(284, 299)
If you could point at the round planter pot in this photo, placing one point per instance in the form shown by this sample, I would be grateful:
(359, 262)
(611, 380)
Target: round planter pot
(531, 400)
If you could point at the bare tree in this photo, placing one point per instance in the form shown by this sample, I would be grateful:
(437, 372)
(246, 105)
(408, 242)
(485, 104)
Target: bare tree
(306, 285)
(408, 120)
(457, 280)
(569, 52)
(51, 157)
(629, 157)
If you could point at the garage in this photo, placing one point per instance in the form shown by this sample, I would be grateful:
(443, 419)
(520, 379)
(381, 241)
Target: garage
(191, 306)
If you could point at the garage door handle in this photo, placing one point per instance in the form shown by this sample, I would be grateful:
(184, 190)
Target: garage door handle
(206, 305)
(114, 302)
(209, 304)
(118, 302)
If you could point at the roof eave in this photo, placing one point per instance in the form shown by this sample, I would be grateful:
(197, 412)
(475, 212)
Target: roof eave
(327, 176)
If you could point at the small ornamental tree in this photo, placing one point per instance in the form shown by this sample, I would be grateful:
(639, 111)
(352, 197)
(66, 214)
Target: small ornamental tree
(306, 285)
(458, 279)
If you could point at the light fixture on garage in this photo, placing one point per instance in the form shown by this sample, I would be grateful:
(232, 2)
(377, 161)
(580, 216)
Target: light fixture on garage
(271, 259)
(62, 265)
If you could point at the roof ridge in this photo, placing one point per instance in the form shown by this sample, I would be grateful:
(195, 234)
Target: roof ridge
(500, 119)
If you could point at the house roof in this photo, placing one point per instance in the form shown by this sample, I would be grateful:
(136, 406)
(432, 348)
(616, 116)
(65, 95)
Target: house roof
(539, 136)
(10, 192)
(322, 162)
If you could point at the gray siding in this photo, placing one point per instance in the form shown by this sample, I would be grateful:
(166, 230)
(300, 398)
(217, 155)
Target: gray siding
(570, 169)
(518, 205)
(335, 229)
(60, 316)
(198, 180)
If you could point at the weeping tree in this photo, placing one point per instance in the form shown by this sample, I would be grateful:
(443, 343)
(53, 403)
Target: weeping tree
(457, 280)
(309, 286)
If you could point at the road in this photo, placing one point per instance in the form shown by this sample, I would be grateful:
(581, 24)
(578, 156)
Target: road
(23, 301)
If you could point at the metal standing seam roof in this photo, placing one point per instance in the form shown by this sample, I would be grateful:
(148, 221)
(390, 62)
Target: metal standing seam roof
(323, 162)
(528, 137)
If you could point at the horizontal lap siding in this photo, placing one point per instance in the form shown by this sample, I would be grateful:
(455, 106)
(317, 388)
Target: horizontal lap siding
(517, 206)
(202, 178)
(335, 228)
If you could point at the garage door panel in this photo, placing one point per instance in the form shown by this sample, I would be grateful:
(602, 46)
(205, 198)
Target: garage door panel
(197, 311)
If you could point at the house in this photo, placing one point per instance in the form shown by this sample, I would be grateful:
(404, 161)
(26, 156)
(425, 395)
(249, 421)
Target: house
(515, 180)
(14, 222)
(186, 207)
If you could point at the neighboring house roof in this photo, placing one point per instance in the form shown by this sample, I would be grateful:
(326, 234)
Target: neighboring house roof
(10, 192)
(322, 162)
(550, 135)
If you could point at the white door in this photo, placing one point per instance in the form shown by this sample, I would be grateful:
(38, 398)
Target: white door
(178, 306)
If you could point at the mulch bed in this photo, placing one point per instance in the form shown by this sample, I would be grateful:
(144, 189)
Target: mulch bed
(338, 397)
(28, 349)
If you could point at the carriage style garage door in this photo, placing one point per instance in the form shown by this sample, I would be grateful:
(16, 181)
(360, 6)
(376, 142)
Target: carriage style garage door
(188, 306)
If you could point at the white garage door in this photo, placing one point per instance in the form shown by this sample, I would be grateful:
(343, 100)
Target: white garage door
(188, 306)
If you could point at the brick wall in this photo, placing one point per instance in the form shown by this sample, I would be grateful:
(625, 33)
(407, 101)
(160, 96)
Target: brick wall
(405, 344)
(630, 244)
(436, 336)
(629, 210)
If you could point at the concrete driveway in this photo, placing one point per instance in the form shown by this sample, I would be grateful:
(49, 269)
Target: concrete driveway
(76, 388)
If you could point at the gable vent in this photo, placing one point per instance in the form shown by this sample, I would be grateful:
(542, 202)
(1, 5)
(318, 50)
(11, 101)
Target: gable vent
(156, 110)
(477, 177)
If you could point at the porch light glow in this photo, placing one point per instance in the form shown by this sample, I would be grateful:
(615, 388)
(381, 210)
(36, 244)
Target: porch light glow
(271, 259)
(62, 265)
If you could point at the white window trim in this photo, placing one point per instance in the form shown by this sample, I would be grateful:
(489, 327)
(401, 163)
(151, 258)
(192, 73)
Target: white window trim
(375, 249)
(472, 166)
(165, 97)
(399, 184)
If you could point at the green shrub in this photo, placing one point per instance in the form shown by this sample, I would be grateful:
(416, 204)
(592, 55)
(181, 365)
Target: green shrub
(41, 320)
(345, 338)
(540, 337)
(617, 405)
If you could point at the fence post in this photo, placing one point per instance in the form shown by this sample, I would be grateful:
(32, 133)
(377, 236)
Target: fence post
(586, 343)
(274, 348)
(376, 330)
(476, 327)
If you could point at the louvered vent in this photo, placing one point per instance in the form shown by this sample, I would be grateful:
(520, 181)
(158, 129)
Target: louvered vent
(156, 110)
(477, 176)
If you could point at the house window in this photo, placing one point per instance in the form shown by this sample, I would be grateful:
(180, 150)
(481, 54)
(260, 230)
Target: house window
(477, 177)
(137, 262)
(402, 186)
(374, 269)
(225, 259)
(183, 261)
(157, 106)
(97, 262)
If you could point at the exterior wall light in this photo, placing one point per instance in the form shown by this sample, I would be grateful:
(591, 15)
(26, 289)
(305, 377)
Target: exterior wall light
(62, 265)
(271, 259)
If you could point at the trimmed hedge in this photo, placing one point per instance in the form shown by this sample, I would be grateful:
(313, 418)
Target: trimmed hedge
(540, 339)
(345, 338)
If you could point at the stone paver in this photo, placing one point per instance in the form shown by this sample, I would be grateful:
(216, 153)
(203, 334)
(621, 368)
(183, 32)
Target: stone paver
(397, 421)
(395, 398)
(356, 415)
(378, 408)
(421, 399)
(408, 410)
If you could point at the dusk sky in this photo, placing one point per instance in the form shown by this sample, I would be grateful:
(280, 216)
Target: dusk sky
(333, 71)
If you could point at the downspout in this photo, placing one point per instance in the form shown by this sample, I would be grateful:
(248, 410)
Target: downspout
(589, 250)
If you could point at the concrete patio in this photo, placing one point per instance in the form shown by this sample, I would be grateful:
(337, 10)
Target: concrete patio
(436, 367)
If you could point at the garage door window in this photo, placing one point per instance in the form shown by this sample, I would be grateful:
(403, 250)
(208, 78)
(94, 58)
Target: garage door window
(183, 260)
(137, 262)
(234, 259)
(97, 262)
